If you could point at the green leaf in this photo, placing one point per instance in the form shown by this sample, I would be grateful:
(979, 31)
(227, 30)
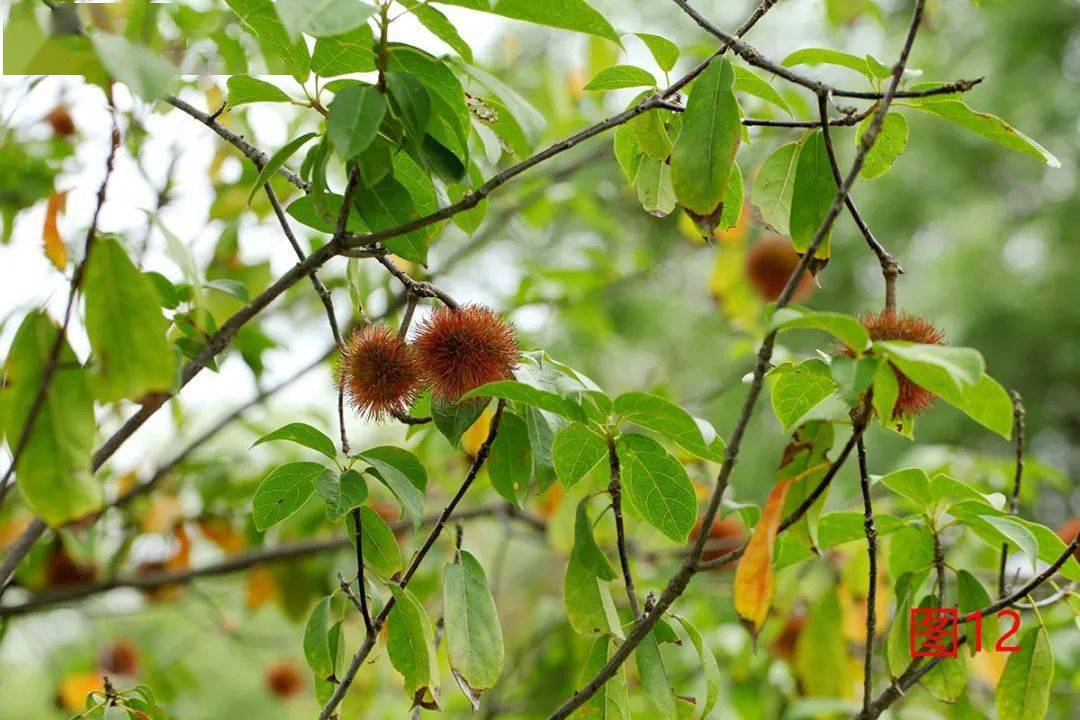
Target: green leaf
(837, 528)
(53, 471)
(529, 395)
(705, 701)
(733, 202)
(277, 160)
(1023, 691)
(658, 486)
(575, 15)
(577, 449)
(587, 573)
(148, 74)
(453, 419)
(653, 185)
(316, 640)
(650, 132)
(1017, 534)
(947, 680)
(320, 211)
(302, 434)
(610, 701)
(386, 206)
(867, 66)
(886, 391)
(352, 52)
(411, 647)
(910, 483)
(403, 474)
(773, 187)
(381, 551)
(890, 142)
(355, 115)
(282, 54)
(749, 82)
(627, 151)
(705, 150)
(474, 642)
(911, 551)
(244, 89)
(820, 646)
(942, 369)
(657, 414)
(412, 102)
(342, 492)
(283, 492)
(664, 52)
(988, 404)
(654, 677)
(795, 390)
(322, 18)
(972, 596)
(441, 27)
(843, 327)
(812, 195)
(898, 645)
(126, 328)
(952, 107)
(510, 463)
(621, 76)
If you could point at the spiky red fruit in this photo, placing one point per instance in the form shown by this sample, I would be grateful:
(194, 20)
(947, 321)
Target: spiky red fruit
(889, 325)
(379, 372)
(59, 118)
(465, 348)
(284, 680)
(769, 265)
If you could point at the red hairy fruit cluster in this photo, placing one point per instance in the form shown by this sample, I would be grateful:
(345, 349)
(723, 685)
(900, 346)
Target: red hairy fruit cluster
(890, 325)
(379, 372)
(464, 348)
(770, 263)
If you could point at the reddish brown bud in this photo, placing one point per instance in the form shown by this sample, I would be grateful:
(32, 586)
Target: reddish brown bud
(59, 118)
(379, 372)
(725, 535)
(769, 265)
(889, 325)
(284, 680)
(465, 348)
(119, 658)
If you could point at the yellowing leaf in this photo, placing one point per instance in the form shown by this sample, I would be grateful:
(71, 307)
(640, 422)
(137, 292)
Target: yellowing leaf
(754, 575)
(55, 249)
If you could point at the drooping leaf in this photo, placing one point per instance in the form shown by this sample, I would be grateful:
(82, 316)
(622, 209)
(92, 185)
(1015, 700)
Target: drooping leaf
(453, 419)
(412, 102)
(671, 421)
(576, 450)
(316, 640)
(403, 474)
(127, 331)
(972, 596)
(610, 702)
(705, 151)
(441, 27)
(587, 574)
(947, 680)
(805, 462)
(276, 160)
(812, 195)
(355, 115)
(754, 574)
(1023, 691)
(510, 463)
(53, 244)
(654, 677)
(411, 647)
(283, 492)
(341, 492)
(53, 471)
(653, 185)
(474, 641)
(773, 187)
(664, 52)
(529, 395)
(821, 646)
(658, 486)
(705, 701)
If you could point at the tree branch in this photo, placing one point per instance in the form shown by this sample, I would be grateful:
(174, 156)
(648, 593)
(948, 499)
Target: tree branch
(871, 597)
(615, 490)
(1014, 501)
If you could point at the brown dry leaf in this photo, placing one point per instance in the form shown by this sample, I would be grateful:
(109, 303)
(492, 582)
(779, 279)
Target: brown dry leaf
(754, 575)
(55, 249)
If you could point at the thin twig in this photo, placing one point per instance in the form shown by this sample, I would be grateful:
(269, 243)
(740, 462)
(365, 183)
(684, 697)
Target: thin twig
(418, 558)
(360, 580)
(871, 597)
(1014, 500)
(615, 490)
